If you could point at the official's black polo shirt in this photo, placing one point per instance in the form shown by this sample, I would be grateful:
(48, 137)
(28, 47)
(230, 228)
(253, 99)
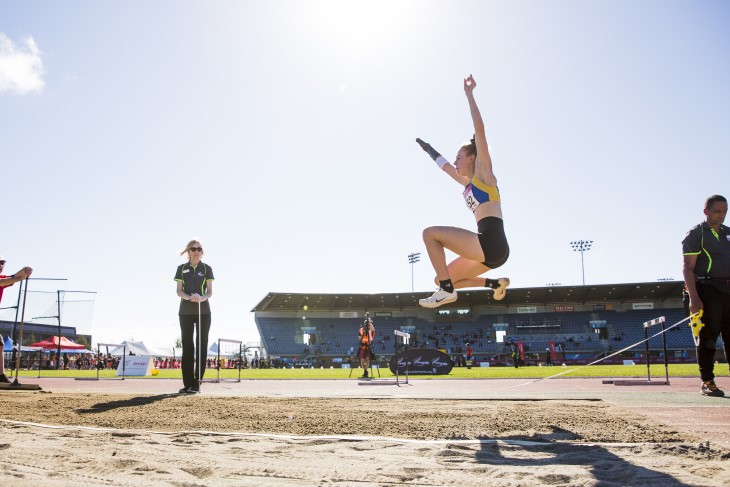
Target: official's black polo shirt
(194, 280)
(712, 250)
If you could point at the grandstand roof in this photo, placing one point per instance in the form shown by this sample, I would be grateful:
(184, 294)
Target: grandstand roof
(608, 293)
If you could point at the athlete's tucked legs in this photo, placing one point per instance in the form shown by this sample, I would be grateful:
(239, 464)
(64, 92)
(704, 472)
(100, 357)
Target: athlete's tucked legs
(463, 272)
(466, 273)
(460, 241)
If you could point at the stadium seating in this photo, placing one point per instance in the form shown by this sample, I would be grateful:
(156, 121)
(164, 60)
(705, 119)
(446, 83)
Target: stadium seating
(572, 330)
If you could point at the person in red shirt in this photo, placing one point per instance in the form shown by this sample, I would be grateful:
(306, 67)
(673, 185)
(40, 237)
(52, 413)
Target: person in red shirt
(6, 281)
(366, 335)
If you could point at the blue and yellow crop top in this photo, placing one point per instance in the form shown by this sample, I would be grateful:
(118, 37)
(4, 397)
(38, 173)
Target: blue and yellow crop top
(476, 193)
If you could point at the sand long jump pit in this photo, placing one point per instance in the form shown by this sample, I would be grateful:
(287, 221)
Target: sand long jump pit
(64, 438)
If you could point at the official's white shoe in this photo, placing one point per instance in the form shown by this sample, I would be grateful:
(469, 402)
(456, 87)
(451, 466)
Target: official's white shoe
(501, 291)
(438, 298)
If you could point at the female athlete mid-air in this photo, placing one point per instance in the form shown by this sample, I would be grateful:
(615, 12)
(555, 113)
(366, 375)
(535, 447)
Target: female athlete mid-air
(478, 252)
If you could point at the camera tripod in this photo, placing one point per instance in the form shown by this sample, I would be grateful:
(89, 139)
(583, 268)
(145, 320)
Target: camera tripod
(362, 345)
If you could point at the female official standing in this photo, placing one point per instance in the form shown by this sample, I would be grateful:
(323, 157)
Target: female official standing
(195, 287)
(478, 252)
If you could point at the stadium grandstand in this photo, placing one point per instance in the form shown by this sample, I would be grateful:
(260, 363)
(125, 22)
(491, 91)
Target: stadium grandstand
(576, 324)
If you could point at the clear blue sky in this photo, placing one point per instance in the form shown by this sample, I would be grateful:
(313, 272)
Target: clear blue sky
(281, 134)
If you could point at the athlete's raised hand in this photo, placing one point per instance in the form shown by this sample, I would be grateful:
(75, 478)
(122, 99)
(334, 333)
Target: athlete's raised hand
(469, 84)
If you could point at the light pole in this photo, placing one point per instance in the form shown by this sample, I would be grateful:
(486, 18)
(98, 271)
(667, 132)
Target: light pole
(582, 246)
(412, 259)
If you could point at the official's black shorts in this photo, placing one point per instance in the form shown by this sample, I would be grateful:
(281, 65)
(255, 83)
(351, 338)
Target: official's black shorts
(493, 241)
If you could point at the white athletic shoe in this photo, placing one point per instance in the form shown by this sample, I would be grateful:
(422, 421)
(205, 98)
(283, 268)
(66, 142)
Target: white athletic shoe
(438, 298)
(501, 291)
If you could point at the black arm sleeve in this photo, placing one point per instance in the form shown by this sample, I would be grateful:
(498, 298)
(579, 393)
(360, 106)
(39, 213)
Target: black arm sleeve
(429, 150)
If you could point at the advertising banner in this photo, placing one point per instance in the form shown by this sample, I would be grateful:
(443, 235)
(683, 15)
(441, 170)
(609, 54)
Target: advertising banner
(562, 308)
(422, 361)
(136, 365)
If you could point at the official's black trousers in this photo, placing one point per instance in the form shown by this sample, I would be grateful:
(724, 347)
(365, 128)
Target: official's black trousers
(716, 317)
(188, 325)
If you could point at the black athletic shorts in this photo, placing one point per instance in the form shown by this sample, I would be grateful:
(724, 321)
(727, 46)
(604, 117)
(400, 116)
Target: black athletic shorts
(493, 241)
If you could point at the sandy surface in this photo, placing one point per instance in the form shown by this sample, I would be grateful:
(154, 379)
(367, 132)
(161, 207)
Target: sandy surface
(167, 439)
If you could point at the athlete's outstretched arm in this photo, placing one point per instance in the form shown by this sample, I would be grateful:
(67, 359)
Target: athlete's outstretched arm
(23, 273)
(441, 161)
(483, 169)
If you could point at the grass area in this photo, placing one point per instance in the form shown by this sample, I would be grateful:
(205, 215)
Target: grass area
(657, 370)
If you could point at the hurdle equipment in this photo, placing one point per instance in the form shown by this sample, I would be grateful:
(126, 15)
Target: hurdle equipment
(405, 339)
(648, 324)
(618, 352)
(239, 360)
(98, 364)
(656, 321)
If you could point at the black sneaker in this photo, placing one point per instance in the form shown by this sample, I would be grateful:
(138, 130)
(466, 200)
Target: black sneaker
(4, 379)
(710, 389)
(194, 389)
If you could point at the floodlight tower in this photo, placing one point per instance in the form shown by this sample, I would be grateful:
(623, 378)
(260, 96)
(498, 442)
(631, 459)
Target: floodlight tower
(582, 246)
(412, 259)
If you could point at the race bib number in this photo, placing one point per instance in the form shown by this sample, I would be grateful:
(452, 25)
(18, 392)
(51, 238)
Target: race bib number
(471, 201)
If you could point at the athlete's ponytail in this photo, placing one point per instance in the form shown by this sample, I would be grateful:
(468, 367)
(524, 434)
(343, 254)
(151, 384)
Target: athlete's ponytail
(470, 147)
